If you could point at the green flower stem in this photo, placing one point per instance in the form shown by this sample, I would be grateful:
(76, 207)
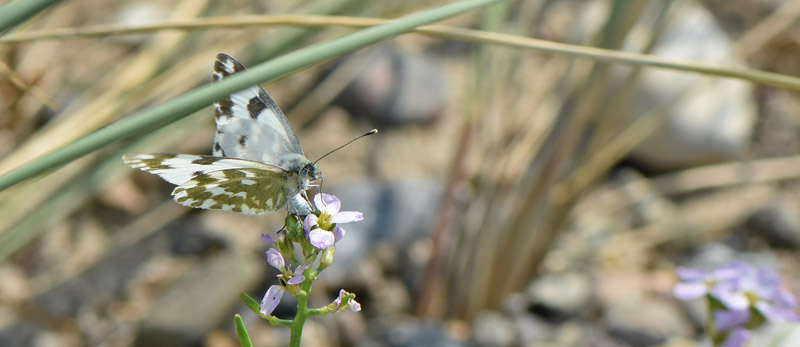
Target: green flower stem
(711, 331)
(302, 314)
(253, 305)
(316, 311)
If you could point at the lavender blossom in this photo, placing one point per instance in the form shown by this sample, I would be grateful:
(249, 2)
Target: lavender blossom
(697, 283)
(352, 304)
(742, 297)
(274, 294)
(327, 232)
(759, 289)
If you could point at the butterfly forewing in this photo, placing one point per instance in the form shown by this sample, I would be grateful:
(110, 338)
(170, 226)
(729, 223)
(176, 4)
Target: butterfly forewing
(249, 123)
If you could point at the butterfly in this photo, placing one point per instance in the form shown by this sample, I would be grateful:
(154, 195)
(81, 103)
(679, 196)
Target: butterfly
(257, 164)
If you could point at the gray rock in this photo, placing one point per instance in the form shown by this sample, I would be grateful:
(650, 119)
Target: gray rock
(778, 224)
(410, 334)
(493, 329)
(710, 123)
(557, 297)
(531, 330)
(200, 301)
(395, 87)
(397, 212)
(645, 321)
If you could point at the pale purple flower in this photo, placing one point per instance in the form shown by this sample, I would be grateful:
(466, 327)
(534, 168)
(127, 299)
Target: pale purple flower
(329, 206)
(697, 283)
(271, 299)
(266, 238)
(740, 288)
(275, 259)
(760, 289)
(352, 304)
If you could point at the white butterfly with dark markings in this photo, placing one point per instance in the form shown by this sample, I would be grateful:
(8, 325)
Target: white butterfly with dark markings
(257, 164)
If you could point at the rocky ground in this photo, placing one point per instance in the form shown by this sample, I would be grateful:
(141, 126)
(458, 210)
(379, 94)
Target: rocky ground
(118, 263)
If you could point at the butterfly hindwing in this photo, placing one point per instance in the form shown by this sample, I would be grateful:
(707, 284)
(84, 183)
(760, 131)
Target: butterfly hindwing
(245, 190)
(249, 123)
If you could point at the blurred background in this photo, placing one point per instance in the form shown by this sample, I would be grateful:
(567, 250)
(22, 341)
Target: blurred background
(512, 197)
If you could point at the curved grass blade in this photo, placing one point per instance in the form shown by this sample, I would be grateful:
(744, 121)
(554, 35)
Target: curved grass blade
(195, 100)
(18, 11)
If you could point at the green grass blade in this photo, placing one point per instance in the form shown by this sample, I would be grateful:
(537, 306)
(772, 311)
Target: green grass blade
(201, 97)
(241, 332)
(19, 11)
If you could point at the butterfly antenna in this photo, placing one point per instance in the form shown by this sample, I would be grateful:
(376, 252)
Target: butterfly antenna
(371, 132)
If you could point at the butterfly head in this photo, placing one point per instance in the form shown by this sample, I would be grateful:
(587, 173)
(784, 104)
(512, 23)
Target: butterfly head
(310, 172)
(305, 170)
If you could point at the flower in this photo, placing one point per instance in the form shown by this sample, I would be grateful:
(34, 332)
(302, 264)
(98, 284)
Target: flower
(329, 204)
(274, 294)
(352, 304)
(327, 232)
(759, 289)
(697, 283)
(275, 259)
(738, 291)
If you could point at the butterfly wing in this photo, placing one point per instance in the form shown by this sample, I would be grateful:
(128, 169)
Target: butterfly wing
(218, 183)
(249, 123)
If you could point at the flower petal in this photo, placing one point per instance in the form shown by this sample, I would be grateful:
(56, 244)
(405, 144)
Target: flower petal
(321, 238)
(354, 305)
(730, 296)
(347, 217)
(267, 239)
(689, 291)
(775, 314)
(271, 299)
(731, 271)
(338, 300)
(784, 300)
(275, 259)
(724, 320)
(298, 275)
(737, 338)
(310, 221)
(338, 233)
(327, 203)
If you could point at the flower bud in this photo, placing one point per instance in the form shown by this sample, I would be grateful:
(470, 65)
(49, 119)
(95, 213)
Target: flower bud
(294, 228)
(326, 258)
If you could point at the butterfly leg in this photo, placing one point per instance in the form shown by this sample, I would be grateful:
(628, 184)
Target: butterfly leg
(313, 208)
